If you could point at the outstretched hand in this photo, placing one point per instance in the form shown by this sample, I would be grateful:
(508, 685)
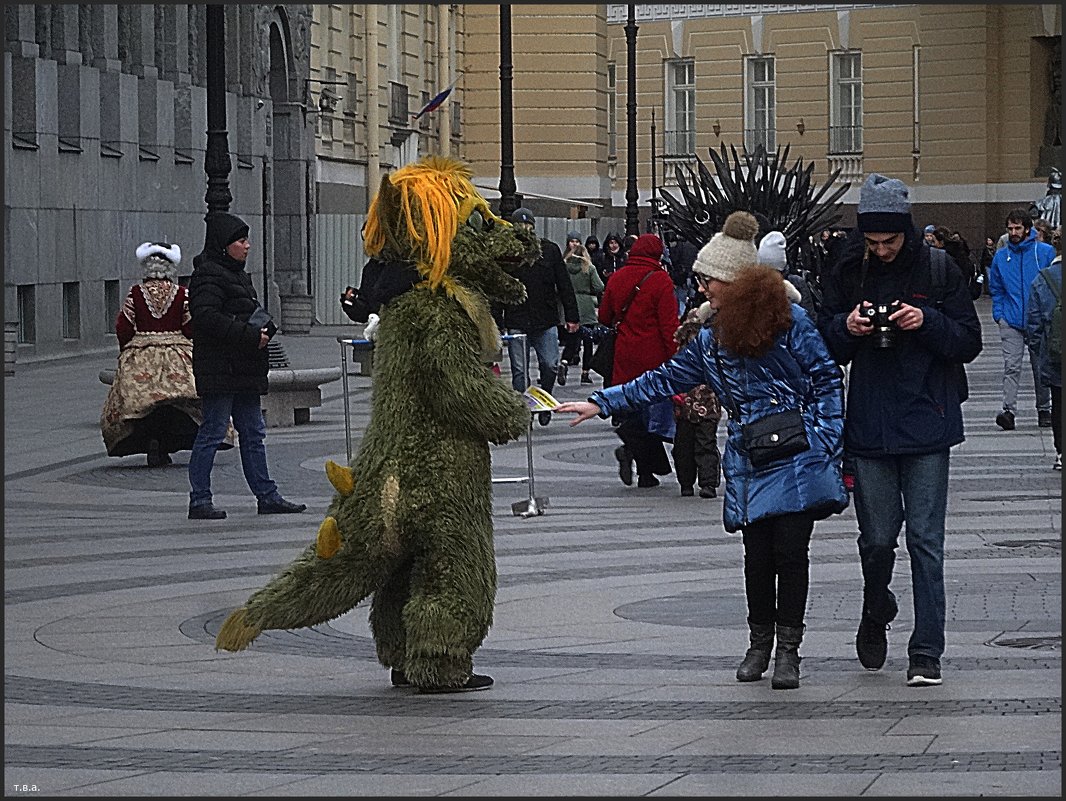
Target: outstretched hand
(583, 409)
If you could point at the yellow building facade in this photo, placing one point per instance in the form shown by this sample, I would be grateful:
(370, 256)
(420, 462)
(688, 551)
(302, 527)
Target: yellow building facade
(959, 101)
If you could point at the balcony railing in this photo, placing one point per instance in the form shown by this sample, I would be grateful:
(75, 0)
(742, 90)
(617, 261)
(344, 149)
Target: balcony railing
(399, 112)
(679, 143)
(845, 139)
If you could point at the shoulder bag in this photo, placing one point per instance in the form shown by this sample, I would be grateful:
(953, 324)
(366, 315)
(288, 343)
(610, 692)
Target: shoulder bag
(773, 438)
(602, 360)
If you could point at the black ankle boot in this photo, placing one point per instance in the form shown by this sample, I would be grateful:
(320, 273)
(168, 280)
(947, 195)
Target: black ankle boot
(757, 659)
(787, 659)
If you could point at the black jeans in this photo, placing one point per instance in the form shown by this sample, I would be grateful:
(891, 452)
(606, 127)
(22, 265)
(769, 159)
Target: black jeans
(647, 450)
(577, 345)
(696, 453)
(777, 568)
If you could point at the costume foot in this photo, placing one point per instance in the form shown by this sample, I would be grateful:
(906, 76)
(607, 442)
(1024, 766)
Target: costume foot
(475, 682)
(399, 678)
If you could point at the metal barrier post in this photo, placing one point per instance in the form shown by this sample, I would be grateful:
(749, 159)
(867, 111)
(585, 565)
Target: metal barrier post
(533, 505)
(530, 507)
(344, 380)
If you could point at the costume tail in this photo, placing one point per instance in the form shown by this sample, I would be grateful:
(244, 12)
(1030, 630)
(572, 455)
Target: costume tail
(314, 588)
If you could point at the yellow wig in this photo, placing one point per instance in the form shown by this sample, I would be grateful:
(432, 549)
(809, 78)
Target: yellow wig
(429, 199)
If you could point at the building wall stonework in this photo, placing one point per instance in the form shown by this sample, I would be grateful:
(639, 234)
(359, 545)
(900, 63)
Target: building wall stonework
(105, 137)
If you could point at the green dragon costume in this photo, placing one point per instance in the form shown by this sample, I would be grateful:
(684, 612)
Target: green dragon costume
(411, 521)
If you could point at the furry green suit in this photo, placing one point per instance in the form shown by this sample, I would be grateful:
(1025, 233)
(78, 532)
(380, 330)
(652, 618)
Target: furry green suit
(411, 522)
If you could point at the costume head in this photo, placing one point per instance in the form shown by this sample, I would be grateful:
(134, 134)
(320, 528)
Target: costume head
(159, 260)
(772, 251)
(730, 249)
(884, 205)
(429, 214)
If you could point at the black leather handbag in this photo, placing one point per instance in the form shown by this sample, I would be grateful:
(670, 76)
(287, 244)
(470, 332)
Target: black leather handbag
(773, 438)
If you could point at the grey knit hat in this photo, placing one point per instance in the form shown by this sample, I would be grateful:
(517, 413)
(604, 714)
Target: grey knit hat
(730, 249)
(884, 205)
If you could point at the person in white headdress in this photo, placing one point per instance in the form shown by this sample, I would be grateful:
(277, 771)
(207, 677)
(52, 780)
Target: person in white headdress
(152, 406)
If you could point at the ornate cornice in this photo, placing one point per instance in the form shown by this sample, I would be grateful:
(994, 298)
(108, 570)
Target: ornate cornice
(618, 14)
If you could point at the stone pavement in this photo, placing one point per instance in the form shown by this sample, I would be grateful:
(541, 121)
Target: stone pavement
(618, 627)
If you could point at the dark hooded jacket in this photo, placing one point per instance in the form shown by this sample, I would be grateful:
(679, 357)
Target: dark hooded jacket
(226, 356)
(611, 261)
(905, 399)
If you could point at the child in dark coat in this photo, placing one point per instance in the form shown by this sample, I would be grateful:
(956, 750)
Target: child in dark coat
(696, 414)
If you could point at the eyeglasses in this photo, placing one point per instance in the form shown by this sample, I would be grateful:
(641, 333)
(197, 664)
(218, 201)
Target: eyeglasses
(702, 281)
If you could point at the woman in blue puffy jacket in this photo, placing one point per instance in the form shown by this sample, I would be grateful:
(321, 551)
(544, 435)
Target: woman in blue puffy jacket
(761, 354)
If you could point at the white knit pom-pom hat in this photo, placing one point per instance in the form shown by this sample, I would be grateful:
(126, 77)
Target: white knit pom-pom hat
(730, 249)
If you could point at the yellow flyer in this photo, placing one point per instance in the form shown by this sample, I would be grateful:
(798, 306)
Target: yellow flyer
(538, 400)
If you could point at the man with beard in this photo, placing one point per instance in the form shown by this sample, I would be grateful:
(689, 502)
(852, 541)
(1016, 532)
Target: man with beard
(903, 411)
(1010, 275)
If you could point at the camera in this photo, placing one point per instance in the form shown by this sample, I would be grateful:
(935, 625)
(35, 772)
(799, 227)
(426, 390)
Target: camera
(884, 333)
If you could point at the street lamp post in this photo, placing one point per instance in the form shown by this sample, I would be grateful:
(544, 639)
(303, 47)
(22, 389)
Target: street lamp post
(216, 159)
(632, 215)
(508, 202)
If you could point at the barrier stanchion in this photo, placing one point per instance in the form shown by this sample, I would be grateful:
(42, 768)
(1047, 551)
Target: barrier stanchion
(531, 506)
(347, 413)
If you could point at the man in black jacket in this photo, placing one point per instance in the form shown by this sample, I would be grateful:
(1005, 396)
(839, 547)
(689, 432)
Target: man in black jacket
(547, 287)
(903, 411)
(230, 364)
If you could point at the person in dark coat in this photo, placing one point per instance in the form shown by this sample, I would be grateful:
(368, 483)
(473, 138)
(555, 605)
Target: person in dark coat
(230, 364)
(903, 415)
(547, 286)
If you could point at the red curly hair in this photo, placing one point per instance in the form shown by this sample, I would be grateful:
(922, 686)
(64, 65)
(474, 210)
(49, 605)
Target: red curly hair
(752, 311)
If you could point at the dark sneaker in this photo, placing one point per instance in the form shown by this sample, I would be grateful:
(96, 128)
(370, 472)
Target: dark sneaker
(206, 512)
(1005, 420)
(625, 465)
(647, 481)
(1058, 462)
(585, 377)
(708, 492)
(399, 678)
(687, 492)
(475, 682)
(871, 643)
(280, 507)
(560, 374)
(544, 418)
(924, 671)
(1044, 418)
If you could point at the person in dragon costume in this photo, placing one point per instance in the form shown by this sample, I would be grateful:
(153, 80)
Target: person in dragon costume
(411, 520)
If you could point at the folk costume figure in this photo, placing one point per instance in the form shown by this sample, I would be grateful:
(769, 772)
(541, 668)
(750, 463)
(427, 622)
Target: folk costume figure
(152, 406)
(411, 520)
